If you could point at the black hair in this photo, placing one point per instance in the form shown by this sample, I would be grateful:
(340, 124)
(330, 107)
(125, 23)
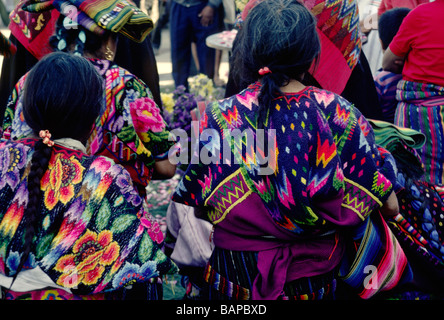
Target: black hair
(389, 23)
(63, 93)
(280, 35)
(78, 39)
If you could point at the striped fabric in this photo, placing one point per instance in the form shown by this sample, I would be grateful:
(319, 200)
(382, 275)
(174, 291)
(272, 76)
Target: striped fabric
(409, 229)
(402, 143)
(224, 286)
(245, 205)
(422, 208)
(244, 272)
(379, 263)
(386, 83)
(99, 15)
(411, 240)
(421, 107)
(387, 134)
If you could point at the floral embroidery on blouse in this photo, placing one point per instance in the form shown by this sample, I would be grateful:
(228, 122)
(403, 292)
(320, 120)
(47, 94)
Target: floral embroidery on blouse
(106, 239)
(59, 181)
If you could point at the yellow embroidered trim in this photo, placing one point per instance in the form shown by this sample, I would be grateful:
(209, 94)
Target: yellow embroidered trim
(354, 210)
(232, 206)
(365, 190)
(236, 202)
(235, 173)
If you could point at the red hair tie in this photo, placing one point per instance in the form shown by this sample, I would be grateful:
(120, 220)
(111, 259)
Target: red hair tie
(46, 136)
(264, 71)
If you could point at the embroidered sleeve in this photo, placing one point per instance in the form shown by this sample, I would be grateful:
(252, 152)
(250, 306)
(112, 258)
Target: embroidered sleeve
(205, 169)
(368, 174)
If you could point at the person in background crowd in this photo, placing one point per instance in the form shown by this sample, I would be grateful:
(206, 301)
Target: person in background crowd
(192, 21)
(31, 29)
(386, 81)
(368, 23)
(390, 4)
(162, 22)
(417, 54)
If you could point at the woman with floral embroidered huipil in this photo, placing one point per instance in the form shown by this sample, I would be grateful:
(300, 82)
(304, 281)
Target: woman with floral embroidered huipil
(130, 130)
(72, 226)
(277, 232)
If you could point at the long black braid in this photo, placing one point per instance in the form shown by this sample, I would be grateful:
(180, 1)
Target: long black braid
(63, 94)
(39, 165)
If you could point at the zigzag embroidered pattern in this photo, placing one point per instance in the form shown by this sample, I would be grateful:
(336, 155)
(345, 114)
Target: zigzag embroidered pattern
(228, 194)
(380, 184)
(359, 199)
(22, 25)
(328, 14)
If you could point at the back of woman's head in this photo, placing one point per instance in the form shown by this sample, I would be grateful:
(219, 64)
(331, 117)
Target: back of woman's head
(280, 35)
(78, 39)
(389, 23)
(63, 94)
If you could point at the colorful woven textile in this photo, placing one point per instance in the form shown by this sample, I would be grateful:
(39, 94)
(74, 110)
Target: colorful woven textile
(421, 107)
(386, 83)
(245, 269)
(419, 230)
(48, 294)
(33, 29)
(33, 21)
(152, 290)
(423, 208)
(379, 262)
(239, 112)
(106, 239)
(99, 15)
(418, 226)
(131, 130)
(387, 133)
(338, 29)
(402, 144)
(326, 171)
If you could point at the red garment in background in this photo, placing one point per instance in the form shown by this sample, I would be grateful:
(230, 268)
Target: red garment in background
(338, 30)
(390, 4)
(422, 46)
(33, 30)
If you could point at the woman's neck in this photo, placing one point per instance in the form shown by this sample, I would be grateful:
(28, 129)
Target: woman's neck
(293, 86)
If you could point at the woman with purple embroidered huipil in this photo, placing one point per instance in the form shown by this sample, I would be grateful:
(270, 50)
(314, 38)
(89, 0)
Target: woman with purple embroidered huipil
(277, 224)
(72, 225)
